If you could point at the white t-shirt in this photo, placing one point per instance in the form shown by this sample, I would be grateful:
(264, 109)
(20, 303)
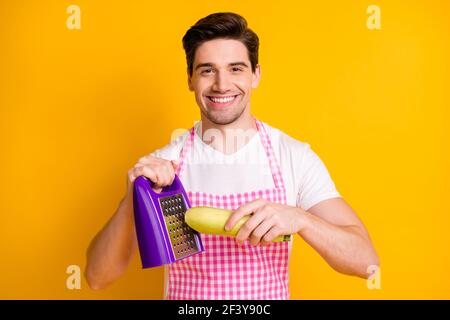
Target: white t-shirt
(305, 176)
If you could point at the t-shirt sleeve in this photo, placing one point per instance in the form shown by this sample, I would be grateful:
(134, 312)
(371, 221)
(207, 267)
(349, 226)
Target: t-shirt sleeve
(172, 150)
(316, 184)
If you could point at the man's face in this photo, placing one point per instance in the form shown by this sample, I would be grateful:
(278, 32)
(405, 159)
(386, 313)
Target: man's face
(222, 80)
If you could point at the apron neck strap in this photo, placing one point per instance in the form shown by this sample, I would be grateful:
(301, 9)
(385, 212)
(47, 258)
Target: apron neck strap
(186, 147)
(273, 163)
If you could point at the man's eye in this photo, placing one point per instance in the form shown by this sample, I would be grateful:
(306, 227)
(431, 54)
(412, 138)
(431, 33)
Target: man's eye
(206, 71)
(236, 69)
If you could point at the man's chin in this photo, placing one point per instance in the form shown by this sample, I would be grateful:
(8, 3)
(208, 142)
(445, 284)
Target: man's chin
(222, 118)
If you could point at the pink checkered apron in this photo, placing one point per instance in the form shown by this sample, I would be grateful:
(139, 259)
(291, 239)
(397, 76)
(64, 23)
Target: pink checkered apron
(226, 270)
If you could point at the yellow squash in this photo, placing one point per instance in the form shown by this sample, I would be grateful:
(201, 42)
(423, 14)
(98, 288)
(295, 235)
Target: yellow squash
(212, 221)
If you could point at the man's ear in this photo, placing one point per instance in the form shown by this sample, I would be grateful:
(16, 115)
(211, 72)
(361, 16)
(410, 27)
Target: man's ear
(191, 87)
(256, 76)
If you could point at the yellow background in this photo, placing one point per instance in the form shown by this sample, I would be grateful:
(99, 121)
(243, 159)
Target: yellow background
(79, 107)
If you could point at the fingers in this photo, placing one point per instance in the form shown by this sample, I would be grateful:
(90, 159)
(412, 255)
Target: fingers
(175, 164)
(160, 171)
(147, 172)
(165, 175)
(267, 222)
(250, 226)
(145, 160)
(273, 232)
(242, 211)
(261, 230)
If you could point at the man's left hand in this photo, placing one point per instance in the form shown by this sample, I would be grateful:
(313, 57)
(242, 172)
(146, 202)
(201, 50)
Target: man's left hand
(268, 220)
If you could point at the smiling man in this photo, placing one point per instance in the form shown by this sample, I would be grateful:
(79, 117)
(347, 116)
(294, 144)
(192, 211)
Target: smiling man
(279, 181)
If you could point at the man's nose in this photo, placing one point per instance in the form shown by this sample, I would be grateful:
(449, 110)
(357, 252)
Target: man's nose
(221, 82)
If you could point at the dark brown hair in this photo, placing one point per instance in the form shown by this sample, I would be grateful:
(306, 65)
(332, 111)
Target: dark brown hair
(225, 25)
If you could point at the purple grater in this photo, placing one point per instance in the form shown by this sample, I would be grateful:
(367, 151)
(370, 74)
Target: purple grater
(162, 234)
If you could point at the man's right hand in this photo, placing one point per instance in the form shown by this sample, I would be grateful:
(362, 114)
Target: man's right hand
(160, 171)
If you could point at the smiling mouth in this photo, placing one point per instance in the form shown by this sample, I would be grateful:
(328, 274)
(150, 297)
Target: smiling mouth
(222, 101)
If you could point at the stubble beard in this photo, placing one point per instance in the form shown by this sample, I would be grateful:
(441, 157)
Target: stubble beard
(220, 118)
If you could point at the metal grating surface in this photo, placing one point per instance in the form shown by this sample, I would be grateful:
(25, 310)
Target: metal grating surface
(181, 235)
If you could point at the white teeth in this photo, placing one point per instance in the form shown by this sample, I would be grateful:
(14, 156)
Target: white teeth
(222, 100)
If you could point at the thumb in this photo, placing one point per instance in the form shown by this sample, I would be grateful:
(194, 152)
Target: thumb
(175, 164)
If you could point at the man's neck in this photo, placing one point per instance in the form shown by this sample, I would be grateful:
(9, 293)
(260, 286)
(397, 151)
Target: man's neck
(231, 137)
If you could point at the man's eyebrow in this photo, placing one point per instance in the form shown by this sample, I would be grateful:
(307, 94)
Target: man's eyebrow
(232, 64)
(239, 63)
(208, 64)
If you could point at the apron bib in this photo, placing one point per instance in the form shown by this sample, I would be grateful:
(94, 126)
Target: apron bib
(226, 270)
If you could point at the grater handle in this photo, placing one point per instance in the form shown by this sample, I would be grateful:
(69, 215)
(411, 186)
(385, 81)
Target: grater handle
(175, 186)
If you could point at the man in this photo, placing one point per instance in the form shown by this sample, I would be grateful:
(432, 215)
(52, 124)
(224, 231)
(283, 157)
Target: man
(276, 179)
